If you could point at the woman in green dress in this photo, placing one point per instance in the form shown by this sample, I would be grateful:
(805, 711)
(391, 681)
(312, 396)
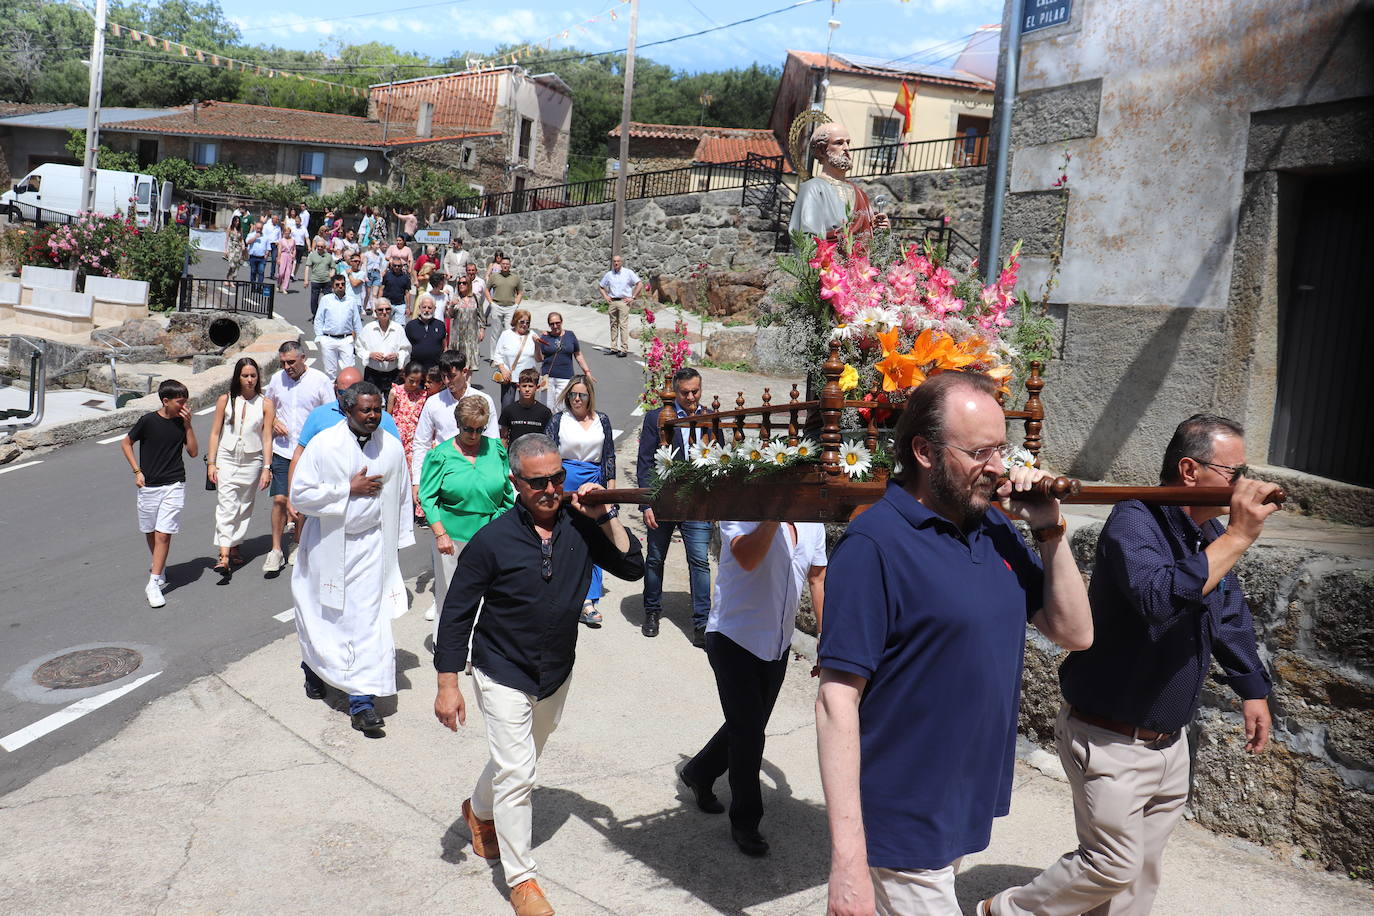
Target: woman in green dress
(463, 485)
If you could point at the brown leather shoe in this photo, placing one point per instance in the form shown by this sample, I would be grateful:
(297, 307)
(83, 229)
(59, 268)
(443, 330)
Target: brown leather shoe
(483, 834)
(527, 898)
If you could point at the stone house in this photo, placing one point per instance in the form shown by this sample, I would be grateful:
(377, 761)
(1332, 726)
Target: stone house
(859, 92)
(1213, 234)
(532, 113)
(656, 147)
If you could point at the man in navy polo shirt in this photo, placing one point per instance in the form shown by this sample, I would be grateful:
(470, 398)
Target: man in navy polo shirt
(930, 636)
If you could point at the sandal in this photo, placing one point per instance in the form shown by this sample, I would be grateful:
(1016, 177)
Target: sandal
(222, 567)
(590, 616)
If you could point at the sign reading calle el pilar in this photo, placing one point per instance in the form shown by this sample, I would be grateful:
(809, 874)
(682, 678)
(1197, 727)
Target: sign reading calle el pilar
(1040, 14)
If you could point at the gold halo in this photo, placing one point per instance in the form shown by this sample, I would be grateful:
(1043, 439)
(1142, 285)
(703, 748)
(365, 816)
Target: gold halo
(807, 119)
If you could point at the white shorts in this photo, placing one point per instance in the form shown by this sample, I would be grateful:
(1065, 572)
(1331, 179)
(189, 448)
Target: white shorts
(159, 508)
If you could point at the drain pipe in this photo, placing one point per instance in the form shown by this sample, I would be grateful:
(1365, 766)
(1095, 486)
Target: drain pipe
(1002, 158)
(38, 394)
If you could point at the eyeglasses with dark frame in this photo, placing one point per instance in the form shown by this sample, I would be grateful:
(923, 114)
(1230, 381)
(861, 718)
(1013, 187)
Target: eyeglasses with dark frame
(979, 455)
(578, 395)
(1236, 471)
(474, 430)
(542, 483)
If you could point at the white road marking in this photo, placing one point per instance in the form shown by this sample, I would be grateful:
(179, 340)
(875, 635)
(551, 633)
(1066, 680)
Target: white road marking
(16, 740)
(615, 433)
(310, 361)
(111, 439)
(313, 345)
(202, 412)
(285, 615)
(15, 467)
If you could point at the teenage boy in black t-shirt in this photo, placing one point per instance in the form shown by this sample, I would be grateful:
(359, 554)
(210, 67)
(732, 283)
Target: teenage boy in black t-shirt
(525, 415)
(160, 476)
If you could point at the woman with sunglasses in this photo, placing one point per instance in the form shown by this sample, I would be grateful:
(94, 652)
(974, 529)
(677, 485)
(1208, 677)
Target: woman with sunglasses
(464, 484)
(587, 446)
(468, 321)
(517, 349)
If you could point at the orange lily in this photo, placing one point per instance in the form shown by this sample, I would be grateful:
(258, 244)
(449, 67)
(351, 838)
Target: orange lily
(900, 370)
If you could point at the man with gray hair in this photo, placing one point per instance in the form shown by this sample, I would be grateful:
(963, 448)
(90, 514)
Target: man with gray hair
(829, 203)
(528, 571)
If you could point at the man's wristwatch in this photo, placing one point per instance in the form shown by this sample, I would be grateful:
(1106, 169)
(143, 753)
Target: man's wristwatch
(1052, 533)
(611, 513)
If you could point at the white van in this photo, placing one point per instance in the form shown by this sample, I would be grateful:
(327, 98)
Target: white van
(55, 190)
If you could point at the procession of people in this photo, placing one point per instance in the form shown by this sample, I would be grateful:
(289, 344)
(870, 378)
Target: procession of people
(921, 607)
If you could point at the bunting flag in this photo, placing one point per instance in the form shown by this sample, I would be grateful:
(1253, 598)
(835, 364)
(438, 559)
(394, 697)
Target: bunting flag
(114, 29)
(546, 44)
(905, 101)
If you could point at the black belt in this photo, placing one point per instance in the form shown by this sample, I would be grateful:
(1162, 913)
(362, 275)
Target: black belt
(338, 335)
(1121, 728)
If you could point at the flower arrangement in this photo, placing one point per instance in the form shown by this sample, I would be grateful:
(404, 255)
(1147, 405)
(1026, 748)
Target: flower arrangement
(710, 463)
(665, 352)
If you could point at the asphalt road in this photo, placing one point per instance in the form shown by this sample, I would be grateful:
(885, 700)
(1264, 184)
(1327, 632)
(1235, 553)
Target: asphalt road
(73, 568)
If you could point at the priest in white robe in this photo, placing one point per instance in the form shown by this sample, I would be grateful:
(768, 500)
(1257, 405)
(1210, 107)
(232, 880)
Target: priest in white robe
(353, 487)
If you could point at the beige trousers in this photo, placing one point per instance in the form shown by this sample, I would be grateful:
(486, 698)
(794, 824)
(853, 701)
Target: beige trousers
(1128, 795)
(518, 724)
(916, 891)
(620, 324)
(234, 497)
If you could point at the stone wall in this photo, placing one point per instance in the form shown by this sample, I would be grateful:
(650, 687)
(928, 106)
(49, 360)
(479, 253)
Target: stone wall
(1312, 791)
(487, 168)
(956, 193)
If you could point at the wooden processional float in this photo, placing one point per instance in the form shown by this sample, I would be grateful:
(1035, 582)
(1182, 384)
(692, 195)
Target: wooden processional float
(822, 492)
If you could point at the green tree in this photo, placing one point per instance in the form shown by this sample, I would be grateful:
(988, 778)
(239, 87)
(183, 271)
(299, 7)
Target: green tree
(105, 158)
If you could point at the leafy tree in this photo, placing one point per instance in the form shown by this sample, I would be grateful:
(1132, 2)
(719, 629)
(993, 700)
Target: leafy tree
(105, 158)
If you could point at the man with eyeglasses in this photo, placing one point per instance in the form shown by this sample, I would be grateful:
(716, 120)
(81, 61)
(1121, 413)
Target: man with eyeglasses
(1166, 602)
(528, 570)
(383, 349)
(930, 634)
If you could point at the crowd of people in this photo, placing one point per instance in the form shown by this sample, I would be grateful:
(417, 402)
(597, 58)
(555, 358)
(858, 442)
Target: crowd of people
(919, 663)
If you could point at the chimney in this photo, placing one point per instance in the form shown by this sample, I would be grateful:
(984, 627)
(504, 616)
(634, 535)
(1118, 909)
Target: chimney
(195, 109)
(424, 123)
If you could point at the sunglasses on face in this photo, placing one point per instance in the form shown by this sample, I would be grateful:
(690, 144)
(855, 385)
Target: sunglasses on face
(472, 430)
(578, 395)
(542, 483)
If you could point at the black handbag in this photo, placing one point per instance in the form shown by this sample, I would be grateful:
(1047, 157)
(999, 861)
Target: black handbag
(209, 484)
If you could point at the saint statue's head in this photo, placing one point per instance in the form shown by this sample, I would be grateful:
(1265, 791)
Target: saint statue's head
(830, 145)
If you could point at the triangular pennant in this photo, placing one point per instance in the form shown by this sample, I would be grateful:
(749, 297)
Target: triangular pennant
(114, 29)
(134, 36)
(166, 45)
(152, 42)
(200, 56)
(185, 51)
(214, 60)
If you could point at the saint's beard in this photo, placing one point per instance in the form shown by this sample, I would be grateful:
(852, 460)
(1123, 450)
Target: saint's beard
(839, 161)
(965, 507)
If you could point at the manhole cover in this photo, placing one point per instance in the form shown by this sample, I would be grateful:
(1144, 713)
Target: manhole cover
(87, 668)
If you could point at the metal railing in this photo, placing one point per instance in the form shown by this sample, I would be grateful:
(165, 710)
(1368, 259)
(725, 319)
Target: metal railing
(938, 233)
(200, 294)
(18, 212)
(918, 156)
(715, 176)
(13, 420)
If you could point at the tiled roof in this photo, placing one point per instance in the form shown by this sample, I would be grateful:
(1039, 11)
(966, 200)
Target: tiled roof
(664, 131)
(892, 70)
(734, 148)
(233, 120)
(463, 100)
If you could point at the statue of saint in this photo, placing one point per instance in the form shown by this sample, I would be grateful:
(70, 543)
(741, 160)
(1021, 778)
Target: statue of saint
(830, 202)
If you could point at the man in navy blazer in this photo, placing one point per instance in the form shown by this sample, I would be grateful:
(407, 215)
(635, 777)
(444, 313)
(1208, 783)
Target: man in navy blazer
(696, 536)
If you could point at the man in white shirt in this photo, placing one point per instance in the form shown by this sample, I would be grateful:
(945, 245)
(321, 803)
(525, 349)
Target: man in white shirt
(357, 280)
(295, 391)
(456, 260)
(620, 286)
(763, 566)
(383, 348)
(336, 325)
(271, 231)
(305, 218)
(437, 422)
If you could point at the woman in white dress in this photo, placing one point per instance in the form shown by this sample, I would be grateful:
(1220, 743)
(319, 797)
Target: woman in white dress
(587, 445)
(517, 349)
(240, 459)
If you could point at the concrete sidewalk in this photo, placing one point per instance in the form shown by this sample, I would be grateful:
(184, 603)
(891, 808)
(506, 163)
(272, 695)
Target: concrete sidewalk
(239, 795)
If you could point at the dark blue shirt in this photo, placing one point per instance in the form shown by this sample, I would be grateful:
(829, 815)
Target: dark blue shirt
(558, 354)
(936, 622)
(1154, 632)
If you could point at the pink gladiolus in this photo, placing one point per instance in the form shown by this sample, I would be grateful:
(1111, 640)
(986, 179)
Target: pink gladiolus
(648, 316)
(941, 280)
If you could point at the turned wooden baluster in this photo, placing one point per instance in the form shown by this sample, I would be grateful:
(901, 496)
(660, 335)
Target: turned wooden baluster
(766, 426)
(871, 436)
(794, 424)
(832, 405)
(668, 400)
(1036, 408)
(715, 420)
(739, 418)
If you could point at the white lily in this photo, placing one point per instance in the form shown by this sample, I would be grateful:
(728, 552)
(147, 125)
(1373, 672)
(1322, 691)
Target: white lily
(855, 459)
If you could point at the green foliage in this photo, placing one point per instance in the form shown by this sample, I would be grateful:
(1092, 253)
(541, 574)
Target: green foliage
(158, 257)
(105, 158)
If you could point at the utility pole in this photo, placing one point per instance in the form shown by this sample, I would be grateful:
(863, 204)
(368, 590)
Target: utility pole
(622, 175)
(90, 162)
(1006, 89)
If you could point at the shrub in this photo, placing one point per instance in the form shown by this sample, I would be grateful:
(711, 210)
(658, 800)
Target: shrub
(159, 257)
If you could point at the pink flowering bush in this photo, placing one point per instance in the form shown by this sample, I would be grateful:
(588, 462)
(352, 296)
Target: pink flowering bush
(665, 352)
(91, 244)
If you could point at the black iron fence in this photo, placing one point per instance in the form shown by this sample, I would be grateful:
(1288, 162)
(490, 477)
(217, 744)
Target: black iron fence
(199, 294)
(940, 235)
(918, 156)
(18, 212)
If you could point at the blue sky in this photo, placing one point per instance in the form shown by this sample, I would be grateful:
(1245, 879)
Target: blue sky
(917, 30)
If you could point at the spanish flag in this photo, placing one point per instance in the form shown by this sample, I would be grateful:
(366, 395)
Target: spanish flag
(905, 99)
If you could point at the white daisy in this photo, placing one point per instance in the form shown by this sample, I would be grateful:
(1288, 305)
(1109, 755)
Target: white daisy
(751, 450)
(1017, 458)
(842, 332)
(701, 452)
(779, 452)
(870, 320)
(807, 448)
(665, 458)
(720, 458)
(855, 459)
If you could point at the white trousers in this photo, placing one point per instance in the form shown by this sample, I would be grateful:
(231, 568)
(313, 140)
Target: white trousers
(517, 727)
(336, 354)
(916, 891)
(554, 392)
(1128, 795)
(444, 568)
(499, 321)
(235, 493)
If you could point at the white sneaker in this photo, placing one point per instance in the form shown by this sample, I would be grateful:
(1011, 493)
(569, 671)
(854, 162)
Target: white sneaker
(154, 594)
(161, 582)
(274, 562)
(290, 552)
(431, 612)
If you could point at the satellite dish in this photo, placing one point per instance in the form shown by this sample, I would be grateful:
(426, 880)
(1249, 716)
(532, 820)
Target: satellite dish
(360, 164)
